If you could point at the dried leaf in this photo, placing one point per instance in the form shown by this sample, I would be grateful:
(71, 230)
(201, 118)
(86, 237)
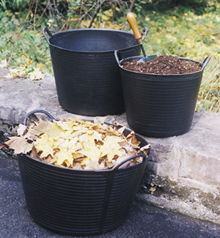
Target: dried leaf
(64, 156)
(94, 165)
(21, 130)
(121, 130)
(153, 189)
(19, 145)
(36, 75)
(50, 128)
(131, 138)
(35, 132)
(111, 147)
(15, 73)
(75, 143)
(144, 149)
(45, 145)
(3, 145)
(121, 159)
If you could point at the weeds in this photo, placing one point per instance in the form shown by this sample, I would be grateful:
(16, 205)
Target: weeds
(180, 31)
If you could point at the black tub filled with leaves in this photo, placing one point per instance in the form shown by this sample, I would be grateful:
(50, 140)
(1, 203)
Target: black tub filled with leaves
(79, 177)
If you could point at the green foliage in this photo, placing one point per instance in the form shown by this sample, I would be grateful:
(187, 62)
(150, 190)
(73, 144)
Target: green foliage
(197, 6)
(187, 28)
(192, 36)
(13, 4)
(22, 47)
(209, 95)
(185, 35)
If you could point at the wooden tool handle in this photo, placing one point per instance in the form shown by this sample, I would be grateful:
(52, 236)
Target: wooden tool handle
(132, 20)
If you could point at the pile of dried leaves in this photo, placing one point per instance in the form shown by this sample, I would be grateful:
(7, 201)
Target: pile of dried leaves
(77, 144)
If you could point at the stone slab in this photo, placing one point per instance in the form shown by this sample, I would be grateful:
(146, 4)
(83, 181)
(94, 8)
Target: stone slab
(183, 169)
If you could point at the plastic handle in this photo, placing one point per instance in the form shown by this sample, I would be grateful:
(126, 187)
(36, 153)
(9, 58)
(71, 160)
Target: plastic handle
(117, 55)
(205, 62)
(130, 158)
(37, 111)
(132, 20)
(144, 31)
(48, 32)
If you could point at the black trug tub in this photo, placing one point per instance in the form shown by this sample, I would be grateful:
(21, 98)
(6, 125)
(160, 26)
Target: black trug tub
(159, 105)
(86, 74)
(79, 202)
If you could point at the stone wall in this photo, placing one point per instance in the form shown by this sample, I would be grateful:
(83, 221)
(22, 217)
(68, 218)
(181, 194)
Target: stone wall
(183, 173)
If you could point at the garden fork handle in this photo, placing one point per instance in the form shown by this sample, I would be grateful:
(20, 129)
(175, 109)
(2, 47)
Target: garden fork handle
(132, 20)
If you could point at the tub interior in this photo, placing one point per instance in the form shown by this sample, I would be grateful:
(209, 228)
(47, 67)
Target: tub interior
(93, 40)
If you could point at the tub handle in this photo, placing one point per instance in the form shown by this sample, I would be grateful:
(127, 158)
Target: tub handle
(130, 158)
(117, 56)
(205, 62)
(144, 31)
(34, 117)
(46, 30)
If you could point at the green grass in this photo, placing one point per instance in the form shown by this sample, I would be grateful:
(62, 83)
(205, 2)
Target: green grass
(179, 31)
(191, 36)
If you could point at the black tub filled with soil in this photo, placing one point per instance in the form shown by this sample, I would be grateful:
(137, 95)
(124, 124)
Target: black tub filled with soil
(160, 95)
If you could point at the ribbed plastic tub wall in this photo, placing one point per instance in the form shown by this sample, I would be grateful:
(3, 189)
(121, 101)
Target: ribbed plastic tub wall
(86, 74)
(160, 105)
(77, 202)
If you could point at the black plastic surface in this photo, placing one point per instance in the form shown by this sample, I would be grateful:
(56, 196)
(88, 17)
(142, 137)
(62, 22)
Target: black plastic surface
(160, 105)
(79, 202)
(87, 76)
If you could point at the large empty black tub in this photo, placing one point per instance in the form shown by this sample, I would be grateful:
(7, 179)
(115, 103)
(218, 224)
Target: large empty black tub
(86, 73)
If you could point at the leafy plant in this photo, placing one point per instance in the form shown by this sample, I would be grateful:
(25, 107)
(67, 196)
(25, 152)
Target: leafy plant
(22, 47)
(209, 95)
(13, 4)
(188, 29)
(191, 36)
